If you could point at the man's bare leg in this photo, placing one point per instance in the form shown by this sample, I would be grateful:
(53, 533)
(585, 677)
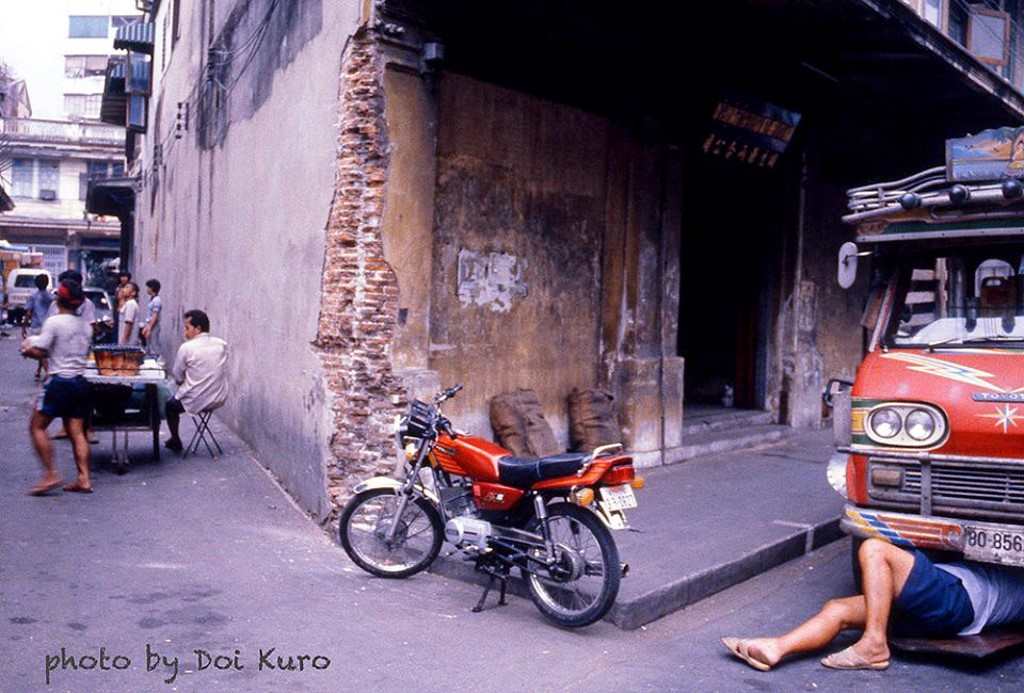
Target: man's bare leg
(44, 450)
(885, 569)
(80, 445)
(813, 634)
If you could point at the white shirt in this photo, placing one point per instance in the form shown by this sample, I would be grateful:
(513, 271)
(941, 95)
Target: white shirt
(153, 309)
(66, 339)
(200, 369)
(129, 313)
(87, 310)
(996, 593)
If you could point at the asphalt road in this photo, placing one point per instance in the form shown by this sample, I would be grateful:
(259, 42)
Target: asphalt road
(195, 555)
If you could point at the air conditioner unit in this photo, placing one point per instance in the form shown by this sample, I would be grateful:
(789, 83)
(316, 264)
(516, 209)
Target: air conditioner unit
(48, 195)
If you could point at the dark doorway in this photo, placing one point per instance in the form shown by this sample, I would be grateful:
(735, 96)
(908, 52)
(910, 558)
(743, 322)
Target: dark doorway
(731, 235)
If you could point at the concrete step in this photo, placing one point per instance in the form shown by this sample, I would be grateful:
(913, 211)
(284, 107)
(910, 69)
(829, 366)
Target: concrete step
(717, 441)
(635, 608)
(717, 420)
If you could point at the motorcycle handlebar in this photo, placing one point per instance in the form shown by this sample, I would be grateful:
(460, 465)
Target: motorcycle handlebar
(447, 394)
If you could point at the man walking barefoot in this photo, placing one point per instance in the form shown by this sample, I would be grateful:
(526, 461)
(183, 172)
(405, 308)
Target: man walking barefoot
(64, 340)
(922, 598)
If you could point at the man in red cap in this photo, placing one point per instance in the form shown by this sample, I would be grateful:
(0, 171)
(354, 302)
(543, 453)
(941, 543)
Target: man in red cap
(64, 341)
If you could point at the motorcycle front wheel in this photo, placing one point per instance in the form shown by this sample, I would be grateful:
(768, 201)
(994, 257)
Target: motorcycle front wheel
(363, 530)
(583, 582)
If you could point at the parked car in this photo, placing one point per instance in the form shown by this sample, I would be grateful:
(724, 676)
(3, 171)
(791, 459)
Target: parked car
(21, 283)
(104, 314)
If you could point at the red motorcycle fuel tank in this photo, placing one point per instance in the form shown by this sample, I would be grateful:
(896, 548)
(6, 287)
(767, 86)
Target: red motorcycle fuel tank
(469, 456)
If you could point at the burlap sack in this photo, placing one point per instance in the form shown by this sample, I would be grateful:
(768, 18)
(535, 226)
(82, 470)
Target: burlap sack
(519, 424)
(507, 425)
(592, 420)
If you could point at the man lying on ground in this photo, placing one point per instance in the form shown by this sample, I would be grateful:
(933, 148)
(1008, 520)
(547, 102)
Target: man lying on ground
(906, 591)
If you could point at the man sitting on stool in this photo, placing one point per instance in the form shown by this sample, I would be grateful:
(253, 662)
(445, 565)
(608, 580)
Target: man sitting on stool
(200, 370)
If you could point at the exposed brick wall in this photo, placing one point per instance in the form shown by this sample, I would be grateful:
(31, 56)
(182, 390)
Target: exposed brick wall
(359, 299)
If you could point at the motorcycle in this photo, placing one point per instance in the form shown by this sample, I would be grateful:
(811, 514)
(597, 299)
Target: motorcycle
(550, 517)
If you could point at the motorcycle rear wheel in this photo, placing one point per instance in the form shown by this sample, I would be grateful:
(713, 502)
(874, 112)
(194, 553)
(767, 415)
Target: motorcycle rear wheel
(583, 585)
(365, 521)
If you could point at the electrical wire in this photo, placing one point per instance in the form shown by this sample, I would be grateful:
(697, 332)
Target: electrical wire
(250, 47)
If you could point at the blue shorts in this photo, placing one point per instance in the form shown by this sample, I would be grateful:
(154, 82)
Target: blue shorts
(932, 604)
(66, 398)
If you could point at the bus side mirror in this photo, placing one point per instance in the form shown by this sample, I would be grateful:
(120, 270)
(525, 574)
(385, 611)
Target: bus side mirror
(848, 256)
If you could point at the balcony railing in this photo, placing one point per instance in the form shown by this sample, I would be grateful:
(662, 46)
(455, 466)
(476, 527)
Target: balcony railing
(62, 131)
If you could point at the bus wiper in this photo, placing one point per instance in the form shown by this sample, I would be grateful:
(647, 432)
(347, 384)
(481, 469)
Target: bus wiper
(993, 338)
(940, 342)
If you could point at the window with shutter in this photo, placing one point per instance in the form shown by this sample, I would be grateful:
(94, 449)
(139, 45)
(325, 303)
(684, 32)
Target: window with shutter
(49, 180)
(988, 35)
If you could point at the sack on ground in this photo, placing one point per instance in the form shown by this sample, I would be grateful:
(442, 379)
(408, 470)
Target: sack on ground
(519, 424)
(592, 420)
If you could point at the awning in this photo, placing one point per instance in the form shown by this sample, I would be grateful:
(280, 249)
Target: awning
(111, 196)
(135, 37)
(113, 107)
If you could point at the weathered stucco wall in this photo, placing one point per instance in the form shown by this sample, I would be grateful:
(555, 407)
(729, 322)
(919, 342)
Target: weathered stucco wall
(818, 330)
(233, 220)
(519, 227)
(409, 211)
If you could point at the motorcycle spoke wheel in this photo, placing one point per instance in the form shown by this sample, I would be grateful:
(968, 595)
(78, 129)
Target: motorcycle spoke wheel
(364, 526)
(583, 583)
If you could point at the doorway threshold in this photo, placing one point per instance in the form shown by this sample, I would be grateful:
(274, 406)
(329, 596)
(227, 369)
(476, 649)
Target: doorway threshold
(702, 418)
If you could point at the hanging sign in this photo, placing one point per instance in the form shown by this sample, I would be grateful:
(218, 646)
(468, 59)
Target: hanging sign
(989, 155)
(751, 131)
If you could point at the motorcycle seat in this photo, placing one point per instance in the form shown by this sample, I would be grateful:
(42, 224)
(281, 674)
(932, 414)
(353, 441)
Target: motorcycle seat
(524, 472)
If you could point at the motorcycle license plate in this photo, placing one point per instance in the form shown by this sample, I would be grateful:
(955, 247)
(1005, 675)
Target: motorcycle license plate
(993, 545)
(618, 497)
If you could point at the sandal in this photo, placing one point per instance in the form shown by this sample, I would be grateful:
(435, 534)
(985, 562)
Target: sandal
(849, 659)
(41, 489)
(739, 648)
(77, 488)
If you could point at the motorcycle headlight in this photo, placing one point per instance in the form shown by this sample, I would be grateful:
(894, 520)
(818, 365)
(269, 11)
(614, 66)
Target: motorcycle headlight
(885, 422)
(920, 424)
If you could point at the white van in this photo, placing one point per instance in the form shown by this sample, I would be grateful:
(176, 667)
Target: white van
(21, 283)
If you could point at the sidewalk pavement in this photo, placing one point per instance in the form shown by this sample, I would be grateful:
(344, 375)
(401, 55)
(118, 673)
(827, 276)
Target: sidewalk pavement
(701, 526)
(712, 522)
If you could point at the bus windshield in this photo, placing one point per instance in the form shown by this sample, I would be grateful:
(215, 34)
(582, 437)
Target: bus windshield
(974, 299)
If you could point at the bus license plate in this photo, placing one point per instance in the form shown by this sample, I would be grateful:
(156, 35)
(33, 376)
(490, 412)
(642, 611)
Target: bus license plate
(618, 497)
(993, 545)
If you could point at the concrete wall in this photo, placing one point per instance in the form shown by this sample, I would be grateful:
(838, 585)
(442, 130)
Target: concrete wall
(520, 207)
(233, 221)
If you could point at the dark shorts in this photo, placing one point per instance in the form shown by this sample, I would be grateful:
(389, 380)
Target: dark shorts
(933, 603)
(67, 398)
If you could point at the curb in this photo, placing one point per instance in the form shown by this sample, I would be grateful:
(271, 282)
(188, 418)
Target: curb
(678, 594)
(692, 588)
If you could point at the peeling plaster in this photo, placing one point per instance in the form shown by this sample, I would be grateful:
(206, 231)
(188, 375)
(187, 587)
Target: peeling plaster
(492, 280)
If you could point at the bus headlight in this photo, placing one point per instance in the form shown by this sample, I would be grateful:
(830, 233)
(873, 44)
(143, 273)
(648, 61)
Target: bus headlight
(920, 424)
(885, 422)
(906, 424)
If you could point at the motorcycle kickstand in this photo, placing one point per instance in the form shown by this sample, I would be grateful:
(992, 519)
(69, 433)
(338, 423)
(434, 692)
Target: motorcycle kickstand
(503, 583)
